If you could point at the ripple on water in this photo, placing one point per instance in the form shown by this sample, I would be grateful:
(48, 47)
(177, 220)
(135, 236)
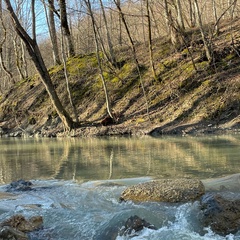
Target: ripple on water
(92, 210)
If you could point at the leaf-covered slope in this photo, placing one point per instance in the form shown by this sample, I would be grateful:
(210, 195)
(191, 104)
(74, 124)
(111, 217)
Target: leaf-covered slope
(183, 96)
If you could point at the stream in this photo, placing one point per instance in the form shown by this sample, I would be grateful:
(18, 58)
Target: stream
(77, 183)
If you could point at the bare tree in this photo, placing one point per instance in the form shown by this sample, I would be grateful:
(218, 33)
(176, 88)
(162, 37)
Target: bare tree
(150, 48)
(19, 56)
(109, 41)
(179, 16)
(167, 15)
(35, 54)
(108, 103)
(156, 25)
(173, 28)
(233, 8)
(67, 78)
(65, 27)
(18, 47)
(191, 14)
(52, 30)
(206, 43)
(3, 40)
(117, 3)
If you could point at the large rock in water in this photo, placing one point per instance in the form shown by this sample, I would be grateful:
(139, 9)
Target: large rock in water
(222, 215)
(165, 190)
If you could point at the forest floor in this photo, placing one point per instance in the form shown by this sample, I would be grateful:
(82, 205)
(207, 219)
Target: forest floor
(184, 100)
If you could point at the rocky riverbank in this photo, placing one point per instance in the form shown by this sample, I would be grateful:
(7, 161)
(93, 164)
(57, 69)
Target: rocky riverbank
(55, 129)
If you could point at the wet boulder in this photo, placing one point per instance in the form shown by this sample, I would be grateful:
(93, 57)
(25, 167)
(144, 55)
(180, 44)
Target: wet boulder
(119, 226)
(165, 190)
(20, 185)
(220, 214)
(135, 224)
(9, 233)
(21, 224)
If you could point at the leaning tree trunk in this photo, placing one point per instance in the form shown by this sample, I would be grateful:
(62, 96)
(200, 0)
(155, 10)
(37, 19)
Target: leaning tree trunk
(36, 57)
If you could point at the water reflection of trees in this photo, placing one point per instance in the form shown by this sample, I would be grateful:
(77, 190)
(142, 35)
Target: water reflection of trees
(104, 158)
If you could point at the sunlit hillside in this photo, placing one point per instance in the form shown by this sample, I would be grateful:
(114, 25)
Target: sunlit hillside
(189, 93)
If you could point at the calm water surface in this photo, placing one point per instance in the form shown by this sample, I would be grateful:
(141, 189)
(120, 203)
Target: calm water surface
(115, 158)
(75, 198)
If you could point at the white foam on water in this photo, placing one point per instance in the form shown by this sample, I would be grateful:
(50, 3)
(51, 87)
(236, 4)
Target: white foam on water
(181, 229)
(82, 211)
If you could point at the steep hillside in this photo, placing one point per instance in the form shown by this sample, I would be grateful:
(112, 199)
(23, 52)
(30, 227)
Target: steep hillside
(182, 101)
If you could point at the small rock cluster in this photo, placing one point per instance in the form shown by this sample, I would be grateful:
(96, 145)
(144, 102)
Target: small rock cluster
(20, 185)
(17, 227)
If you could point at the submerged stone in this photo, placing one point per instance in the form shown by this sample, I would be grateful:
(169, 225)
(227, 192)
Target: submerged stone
(10, 233)
(22, 224)
(135, 224)
(119, 226)
(222, 215)
(20, 185)
(165, 190)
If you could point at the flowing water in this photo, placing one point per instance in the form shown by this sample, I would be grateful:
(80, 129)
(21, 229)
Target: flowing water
(78, 182)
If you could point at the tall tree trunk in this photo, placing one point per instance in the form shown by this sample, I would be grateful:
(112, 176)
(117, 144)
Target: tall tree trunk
(33, 20)
(166, 14)
(109, 41)
(36, 57)
(65, 27)
(143, 21)
(156, 25)
(108, 103)
(117, 3)
(52, 32)
(215, 16)
(150, 42)
(175, 26)
(191, 14)
(24, 59)
(207, 46)
(120, 38)
(3, 40)
(172, 30)
(18, 56)
(67, 79)
(180, 16)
